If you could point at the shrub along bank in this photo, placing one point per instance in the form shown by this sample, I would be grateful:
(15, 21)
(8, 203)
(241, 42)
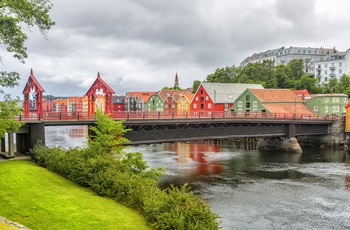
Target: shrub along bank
(125, 177)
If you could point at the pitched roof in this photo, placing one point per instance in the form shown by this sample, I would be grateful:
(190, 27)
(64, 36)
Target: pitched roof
(32, 81)
(144, 95)
(276, 95)
(189, 96)
(289, 108)
(226, 92)
(166, 93)
(100, 82)
(118, 99)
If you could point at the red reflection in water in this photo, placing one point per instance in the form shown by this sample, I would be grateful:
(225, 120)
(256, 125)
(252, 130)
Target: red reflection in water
(198, 152)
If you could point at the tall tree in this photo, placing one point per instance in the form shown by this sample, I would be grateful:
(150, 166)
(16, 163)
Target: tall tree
(195, 86)
(15, 15)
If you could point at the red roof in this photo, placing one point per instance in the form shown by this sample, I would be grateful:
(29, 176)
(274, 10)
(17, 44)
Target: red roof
(289, 108)
(32, 83)
(99, 83)
(275, 95)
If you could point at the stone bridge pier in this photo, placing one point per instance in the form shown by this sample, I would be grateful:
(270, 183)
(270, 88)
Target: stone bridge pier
(294, 143)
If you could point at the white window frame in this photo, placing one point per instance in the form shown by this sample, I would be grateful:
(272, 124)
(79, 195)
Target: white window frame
(316, 108)
(255, 104)
(239, 111)
(209, 105)
(239, 104)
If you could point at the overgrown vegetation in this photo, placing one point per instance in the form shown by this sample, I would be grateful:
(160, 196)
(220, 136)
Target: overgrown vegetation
(111, 172)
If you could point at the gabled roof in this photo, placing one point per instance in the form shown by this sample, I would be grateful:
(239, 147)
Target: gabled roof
(289, 108)
(32, 82)
(226, 92)
(276, 95)
(100, 83)
(118, 99)
(189, 96)
(167, 93)
(144, 95)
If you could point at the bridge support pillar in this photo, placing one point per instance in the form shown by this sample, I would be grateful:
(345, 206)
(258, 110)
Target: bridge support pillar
(291, 130)
(279, 145)
(29, 135)
(2, 145)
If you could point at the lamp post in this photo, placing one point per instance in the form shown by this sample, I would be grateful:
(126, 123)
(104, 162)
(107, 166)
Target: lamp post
(295, 107)
(214, 102)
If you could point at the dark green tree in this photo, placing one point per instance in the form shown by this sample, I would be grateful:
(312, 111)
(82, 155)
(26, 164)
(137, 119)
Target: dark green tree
(195, 86)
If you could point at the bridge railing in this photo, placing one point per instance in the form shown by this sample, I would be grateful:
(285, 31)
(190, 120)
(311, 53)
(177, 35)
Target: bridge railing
(128, 115)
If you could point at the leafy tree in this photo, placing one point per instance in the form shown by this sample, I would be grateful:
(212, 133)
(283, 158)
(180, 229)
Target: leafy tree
(195, 86)
(296, 67)
(305, 82)
(108, 135)
(14, 17)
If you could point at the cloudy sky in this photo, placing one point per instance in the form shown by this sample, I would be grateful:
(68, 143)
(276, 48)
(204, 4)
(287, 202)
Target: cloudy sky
(139, 45)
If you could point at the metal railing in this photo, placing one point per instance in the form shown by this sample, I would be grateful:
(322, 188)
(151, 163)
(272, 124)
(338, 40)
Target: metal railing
(129, 115)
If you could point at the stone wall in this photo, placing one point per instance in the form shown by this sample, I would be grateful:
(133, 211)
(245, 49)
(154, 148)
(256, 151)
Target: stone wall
(335, 138)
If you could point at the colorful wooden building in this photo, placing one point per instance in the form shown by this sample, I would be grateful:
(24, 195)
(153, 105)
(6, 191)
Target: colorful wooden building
(135, 101)
(184, 103)
(282, 101)
(218, 97)
(118, 103)
(328, 104)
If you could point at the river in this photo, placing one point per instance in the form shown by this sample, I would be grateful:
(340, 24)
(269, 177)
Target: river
(247, 188)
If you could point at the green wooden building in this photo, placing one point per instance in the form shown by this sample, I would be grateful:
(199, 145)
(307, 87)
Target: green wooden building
(327, 104)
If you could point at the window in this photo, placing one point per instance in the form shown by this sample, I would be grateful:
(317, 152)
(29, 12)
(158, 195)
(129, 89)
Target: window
(195, 105)
(239, 111)
(325, 79)
(316, 108)
(209, 105)
(186, 107)
(325, 65)
(247, 104)
(173, 106)
(202, 99)
(240, 104)
(201, 91)
(340, 71)
(344, 100)
(255, 111)
(333, 99)
(326, 109)
(325, 72)
(206, 98)
(255, 104)
(247, 97)
(337, 99)
(178, 106)
(226, 106)
(340, 64)
(196, 98)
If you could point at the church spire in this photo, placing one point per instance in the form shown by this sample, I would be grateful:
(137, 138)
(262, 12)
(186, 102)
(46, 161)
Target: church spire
(176, 85)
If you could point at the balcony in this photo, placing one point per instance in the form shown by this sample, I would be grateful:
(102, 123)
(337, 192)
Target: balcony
(332, 67)
(332, 74)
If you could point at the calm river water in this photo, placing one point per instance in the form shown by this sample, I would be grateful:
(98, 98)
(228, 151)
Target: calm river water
(247, 188)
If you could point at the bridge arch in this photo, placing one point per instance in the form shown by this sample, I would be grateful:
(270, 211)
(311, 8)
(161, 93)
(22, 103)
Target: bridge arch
(99, 86)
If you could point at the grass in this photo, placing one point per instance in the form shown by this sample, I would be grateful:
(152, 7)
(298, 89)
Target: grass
(39, 199)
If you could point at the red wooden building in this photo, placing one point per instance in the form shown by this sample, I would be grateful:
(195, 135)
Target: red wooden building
(218, 97)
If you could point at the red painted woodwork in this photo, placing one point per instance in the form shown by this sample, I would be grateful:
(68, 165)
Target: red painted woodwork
(202, 99)
(33, 84)
(99, 84)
